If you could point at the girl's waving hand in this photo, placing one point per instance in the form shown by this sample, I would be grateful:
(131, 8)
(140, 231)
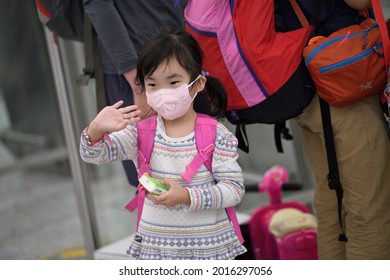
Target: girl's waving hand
(112, 118)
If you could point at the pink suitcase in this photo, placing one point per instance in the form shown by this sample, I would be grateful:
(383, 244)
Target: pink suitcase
(299, 240)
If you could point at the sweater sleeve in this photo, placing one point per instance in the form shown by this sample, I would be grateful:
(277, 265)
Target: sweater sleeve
(228, 189)
(116, 146)
(112, 33)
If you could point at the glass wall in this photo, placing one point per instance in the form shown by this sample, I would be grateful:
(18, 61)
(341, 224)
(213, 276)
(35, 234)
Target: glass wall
(40, 212)
(37, 203)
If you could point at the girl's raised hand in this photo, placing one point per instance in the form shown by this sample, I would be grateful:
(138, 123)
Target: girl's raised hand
(112, 118)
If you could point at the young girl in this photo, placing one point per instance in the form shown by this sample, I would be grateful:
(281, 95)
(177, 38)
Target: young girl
(189, 221)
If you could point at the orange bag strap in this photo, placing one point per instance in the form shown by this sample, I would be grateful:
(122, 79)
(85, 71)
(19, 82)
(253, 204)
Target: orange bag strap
(302, 19)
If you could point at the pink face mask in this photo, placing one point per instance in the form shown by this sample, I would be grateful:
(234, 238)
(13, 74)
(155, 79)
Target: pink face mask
(171, 103)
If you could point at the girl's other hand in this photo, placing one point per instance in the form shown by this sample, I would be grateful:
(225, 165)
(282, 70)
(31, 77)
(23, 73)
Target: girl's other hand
(176, 195)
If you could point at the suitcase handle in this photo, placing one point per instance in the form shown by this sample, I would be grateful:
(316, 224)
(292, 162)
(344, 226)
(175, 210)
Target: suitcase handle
(285, 187)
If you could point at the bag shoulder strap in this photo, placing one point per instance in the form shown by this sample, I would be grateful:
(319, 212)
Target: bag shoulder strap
(146, 132)
(315, 14)
(300, 15)
(205, 135)
(333, 175)
(376, 5)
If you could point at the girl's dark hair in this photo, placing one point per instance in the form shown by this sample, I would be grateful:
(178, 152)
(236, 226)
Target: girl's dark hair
(179, 45)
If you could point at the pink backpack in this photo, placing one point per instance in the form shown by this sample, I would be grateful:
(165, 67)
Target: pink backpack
(205, 134)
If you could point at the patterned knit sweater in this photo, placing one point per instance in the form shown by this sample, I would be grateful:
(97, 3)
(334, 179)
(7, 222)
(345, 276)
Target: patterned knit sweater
(199, 231)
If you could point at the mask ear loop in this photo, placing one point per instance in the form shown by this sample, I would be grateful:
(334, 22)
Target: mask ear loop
(193, 98)
(197, 78)
(190, 85)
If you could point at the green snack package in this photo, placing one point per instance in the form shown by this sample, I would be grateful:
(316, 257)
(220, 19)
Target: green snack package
(152, 185)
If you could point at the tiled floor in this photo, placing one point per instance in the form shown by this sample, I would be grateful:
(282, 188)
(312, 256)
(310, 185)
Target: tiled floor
(39, 215)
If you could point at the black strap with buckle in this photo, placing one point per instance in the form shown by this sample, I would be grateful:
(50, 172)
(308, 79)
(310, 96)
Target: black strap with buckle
(333, 176)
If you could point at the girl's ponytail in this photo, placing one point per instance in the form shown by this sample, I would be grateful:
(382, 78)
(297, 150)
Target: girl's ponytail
(213, 99)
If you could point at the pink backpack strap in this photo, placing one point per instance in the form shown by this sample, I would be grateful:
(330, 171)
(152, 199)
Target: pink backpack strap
(146, 133)
(205, 136)
(231, 212)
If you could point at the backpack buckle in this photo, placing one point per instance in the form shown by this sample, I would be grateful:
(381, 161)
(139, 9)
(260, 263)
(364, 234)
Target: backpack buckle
(335, 184)
(187, 175)
(195, 164)
(207, 152)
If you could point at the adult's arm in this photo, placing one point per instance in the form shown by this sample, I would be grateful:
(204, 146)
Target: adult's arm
(358, 4)
(112, 33)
